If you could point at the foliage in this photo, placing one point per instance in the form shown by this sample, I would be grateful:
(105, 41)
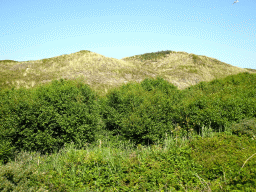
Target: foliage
(6, 151)
(145, 112)
(219, 163)
(245, 127)
(52, 116)
(141, 112)
(46, 118)
(222, 158)
(105, 169)
(219, 103)
(20, 175)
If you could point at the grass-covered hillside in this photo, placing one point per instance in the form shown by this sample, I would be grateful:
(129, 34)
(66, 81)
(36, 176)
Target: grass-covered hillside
(141, 136)
(103, 73)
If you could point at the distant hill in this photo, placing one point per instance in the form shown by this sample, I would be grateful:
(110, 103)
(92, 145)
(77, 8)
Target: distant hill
(102, 73)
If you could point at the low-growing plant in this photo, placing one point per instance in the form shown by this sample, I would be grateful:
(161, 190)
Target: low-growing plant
(154, 55)
(21, 175)
(245, 127)
(219, 163)
(223, 157)
(104, 168)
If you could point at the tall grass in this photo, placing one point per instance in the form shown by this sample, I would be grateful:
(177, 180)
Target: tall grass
(179, 164)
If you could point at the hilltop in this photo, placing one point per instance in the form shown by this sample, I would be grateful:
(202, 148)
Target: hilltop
(103, 73)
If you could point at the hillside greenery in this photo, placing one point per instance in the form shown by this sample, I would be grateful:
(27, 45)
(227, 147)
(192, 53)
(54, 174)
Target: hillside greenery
(154, 56)
(147, 136)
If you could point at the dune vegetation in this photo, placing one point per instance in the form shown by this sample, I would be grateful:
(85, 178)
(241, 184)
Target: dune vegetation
(103, 73)
(146, 131)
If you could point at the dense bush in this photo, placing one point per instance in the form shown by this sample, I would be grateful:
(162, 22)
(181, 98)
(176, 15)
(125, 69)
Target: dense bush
(145, 112)
(49, 116)
(141, 112)
(219, 103)
(45, 118)
(246, 127)
(6, 150)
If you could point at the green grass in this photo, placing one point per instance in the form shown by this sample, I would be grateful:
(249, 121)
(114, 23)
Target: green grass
(216, 163)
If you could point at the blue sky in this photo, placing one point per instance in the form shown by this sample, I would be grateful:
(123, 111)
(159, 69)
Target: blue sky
(32, 30)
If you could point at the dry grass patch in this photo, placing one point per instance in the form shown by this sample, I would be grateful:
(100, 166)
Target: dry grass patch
(184, 69)
(103, 73)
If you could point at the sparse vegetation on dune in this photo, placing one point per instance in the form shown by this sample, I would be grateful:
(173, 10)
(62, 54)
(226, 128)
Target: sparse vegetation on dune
(252, 70)
(154, 56)
(141, 136)
(183, 69)
(103, 73)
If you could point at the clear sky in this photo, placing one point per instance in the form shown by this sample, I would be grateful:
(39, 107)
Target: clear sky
(32, 30)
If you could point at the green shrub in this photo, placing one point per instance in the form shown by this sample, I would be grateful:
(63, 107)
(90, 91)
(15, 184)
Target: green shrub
(6, 151)
(141, 112)
(245, 127)
(45, 118)
(219, 103)
(21, 175)
(161, 85)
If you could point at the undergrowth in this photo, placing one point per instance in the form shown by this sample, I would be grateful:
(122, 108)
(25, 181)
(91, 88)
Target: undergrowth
(146, 136)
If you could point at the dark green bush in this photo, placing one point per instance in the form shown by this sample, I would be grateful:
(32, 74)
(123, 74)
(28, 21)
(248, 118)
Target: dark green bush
(141, 112)
(245, 127)
(147, 110)
(6, 151)
(161, 85)
(45, 118)
(219, 103)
